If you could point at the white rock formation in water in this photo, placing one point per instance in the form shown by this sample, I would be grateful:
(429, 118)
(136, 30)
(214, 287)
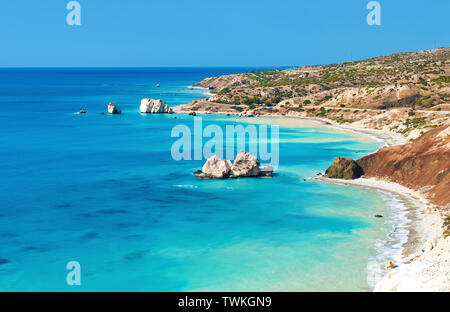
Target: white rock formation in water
(152, 106)
(112, 109)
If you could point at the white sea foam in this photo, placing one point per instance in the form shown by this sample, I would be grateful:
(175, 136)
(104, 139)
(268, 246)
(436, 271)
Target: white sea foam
(186, 186)
(390, 248)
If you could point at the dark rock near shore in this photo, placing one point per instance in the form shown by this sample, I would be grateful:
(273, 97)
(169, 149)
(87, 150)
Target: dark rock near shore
(112, 109)
(344, 168)
(422, 165)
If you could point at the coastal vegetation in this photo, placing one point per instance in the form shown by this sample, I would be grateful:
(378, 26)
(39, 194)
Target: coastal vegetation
(406, 93)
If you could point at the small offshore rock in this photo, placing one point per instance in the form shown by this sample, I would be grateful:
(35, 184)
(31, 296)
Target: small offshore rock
(266, 171)
(112, 109)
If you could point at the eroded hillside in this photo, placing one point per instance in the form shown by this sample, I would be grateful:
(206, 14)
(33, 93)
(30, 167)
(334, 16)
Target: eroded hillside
(406, 93)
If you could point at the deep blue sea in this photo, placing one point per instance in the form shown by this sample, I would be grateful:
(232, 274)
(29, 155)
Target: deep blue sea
(104, 191)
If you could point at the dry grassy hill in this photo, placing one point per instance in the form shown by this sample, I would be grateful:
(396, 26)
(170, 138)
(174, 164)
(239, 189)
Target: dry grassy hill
(406, 92)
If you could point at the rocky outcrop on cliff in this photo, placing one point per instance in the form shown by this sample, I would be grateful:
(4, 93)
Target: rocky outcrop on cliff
(112, 109)
(152, 106)
(245, 165)
(421, 165)
(344, 168)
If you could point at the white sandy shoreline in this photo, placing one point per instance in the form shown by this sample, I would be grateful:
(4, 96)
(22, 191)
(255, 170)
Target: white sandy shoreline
(387, 138)
(424, 240)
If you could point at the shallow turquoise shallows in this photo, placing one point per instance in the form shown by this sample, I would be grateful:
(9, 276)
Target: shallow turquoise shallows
(104, 191)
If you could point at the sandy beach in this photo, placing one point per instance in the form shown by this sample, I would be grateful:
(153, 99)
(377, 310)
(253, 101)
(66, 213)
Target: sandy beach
(387, 138)
(426, 262)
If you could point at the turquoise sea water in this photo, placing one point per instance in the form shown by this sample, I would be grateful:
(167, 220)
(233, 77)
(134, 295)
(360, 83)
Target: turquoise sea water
(104, 191)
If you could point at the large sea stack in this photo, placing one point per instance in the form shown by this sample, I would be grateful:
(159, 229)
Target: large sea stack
(112, 109)
(152, 106)
(245, 165)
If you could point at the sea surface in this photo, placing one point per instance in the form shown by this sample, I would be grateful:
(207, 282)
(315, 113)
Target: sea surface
(104, 191)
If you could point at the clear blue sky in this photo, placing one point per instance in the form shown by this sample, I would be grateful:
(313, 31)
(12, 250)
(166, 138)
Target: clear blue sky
(215, 32)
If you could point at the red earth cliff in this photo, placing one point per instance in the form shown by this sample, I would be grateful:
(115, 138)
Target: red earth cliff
(421, 165)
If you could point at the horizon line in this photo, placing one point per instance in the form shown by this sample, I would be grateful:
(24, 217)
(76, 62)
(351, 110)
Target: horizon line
(215, 66)
(171, 66)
